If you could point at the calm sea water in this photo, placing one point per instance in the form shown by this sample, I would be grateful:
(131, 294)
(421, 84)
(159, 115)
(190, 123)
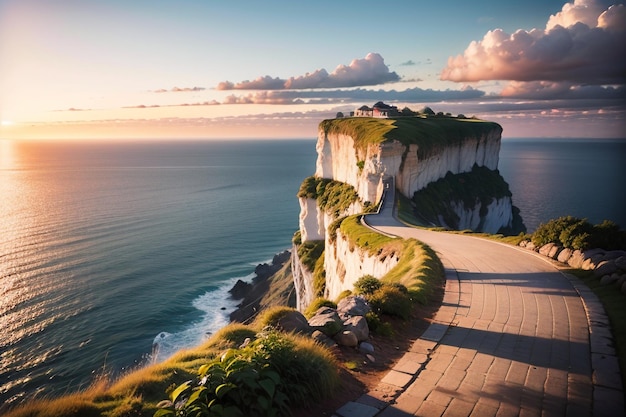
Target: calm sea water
(104, 247)
(550, 178)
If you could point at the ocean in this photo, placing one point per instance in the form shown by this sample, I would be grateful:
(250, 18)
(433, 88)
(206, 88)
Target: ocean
(106, 247)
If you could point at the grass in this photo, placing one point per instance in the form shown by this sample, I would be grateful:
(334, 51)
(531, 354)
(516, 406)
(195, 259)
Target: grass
(418, 269)
(614, 303)
(430, 133)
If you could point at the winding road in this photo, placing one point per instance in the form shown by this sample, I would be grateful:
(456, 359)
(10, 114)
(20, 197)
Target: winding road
(514, 337)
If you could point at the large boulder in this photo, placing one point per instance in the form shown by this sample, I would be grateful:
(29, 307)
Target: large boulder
(605, 268)
(358, 326)
(327, 321)
(353, 305)
(293, 322)
(564, 255)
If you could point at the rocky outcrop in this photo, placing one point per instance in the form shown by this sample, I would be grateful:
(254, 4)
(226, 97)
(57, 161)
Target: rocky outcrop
(490, 219)
(251, 293)
(608, 266)
(345, 325)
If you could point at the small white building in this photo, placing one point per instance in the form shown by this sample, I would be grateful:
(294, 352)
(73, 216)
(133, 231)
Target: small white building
(379, 110)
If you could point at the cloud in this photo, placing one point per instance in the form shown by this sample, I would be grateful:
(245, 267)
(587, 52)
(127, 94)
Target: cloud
(583, 43)
(408, 63)
(350, 95)
(370, 70)
(180, 90)
(546, 90)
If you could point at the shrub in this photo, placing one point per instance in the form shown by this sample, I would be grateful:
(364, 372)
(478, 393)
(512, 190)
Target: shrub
(271, 316)
(367, 285)
(316, 305)
(389, 299)
(261, 379)
(376, 325)
(572, 232)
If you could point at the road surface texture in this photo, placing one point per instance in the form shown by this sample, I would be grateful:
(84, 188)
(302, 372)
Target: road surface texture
(514, 337)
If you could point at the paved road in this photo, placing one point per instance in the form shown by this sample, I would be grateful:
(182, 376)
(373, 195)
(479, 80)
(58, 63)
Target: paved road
(512, 338)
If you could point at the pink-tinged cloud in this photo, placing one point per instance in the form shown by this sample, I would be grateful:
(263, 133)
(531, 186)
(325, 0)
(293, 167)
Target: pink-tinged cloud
(179, 90)
(548, 90)
(589, 49)
(370, 70)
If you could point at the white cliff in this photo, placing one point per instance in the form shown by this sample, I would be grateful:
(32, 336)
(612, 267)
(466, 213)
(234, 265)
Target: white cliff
(345, 264)
(343, 158)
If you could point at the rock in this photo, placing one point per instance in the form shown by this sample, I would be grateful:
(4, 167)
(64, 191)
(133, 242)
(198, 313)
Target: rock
(619, 280)
(576, 260)
(358, 326)
(614, 254)
(564, 255)
(327, 321)
(621, 263)
(530, 245)
(605, 268)
(353, 305)
(624, 288)
(366, 347)
(240, 290)
(370, 358)
(293, 321)
(545, 249)
(554, 252)
(323, 339)
(346, 338)
(607, 280)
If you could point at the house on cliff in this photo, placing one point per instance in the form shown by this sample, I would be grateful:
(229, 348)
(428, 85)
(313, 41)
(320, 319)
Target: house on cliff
(379, 110)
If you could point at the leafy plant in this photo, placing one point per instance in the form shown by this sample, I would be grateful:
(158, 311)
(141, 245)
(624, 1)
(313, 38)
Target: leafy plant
(258, 380)
(367, 285)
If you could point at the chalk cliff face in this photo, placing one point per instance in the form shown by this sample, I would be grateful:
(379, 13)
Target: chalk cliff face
(338, 158)
(342, 157)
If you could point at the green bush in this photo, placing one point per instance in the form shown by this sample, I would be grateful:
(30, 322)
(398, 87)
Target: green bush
(377, 325)
(575, 233)
(389, 299)
(367, 285)
(262, 379)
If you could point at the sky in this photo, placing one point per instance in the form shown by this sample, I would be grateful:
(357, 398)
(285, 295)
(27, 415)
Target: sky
(275, 69)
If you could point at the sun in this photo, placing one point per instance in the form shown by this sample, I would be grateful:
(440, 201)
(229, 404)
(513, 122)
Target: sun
(6, 123)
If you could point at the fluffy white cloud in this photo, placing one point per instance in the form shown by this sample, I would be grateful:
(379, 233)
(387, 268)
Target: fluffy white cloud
(370, 70)
(583, 43)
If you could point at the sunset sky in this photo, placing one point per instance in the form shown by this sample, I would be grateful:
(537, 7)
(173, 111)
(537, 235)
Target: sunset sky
(206, 69)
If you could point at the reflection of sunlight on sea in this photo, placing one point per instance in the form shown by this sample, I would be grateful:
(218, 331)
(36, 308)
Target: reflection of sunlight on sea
(216, 305)
(7, 154)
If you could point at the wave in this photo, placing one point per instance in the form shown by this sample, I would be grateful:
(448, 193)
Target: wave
(216, 305)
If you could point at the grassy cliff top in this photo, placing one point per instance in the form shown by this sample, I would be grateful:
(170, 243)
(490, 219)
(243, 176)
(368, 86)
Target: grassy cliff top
(427, 132)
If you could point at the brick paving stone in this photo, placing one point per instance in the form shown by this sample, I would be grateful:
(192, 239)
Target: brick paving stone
(430, 409)
(399, 379)
(459, 408)
(353, 409)
(512, 339)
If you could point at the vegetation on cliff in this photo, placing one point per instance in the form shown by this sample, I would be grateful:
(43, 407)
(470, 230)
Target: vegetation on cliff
(419, 270)
(431, 133)
(480, 186)
(334, 197)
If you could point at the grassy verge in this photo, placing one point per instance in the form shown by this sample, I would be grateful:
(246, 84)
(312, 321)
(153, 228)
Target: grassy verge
(418, 269)
(614, 303)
